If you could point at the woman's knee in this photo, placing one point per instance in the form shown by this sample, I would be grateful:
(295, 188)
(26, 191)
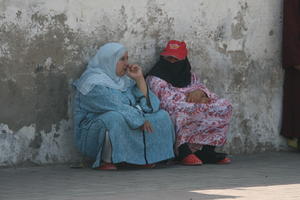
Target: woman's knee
(166, 115)
(113, 117)
(161, 116)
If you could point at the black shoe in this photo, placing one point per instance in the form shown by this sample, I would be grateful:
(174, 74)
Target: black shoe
(183, 151)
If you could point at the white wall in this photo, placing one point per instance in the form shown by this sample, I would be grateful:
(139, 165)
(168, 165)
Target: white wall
(234, 46)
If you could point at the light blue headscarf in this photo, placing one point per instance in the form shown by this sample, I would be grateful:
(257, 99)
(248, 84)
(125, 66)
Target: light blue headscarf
(101, 70)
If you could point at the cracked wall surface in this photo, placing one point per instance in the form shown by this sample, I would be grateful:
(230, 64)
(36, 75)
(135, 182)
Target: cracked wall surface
(234, 46)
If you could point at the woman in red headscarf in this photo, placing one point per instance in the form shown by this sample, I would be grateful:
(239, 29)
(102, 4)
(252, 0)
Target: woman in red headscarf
(291, 65)
(201, 118)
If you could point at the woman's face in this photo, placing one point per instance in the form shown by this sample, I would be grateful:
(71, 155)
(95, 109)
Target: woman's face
(122, 65)
(171, 59)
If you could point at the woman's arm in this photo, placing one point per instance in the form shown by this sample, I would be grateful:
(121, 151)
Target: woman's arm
(169, 98)
(102, 99)
(141, 84)
(148, 104)
(176, 98)
(145, 98)
(135, 72)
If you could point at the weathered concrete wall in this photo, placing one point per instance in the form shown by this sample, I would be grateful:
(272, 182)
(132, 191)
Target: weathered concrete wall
(45, 45)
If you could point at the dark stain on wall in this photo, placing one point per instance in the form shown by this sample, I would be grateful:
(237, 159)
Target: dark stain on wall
(36, 142)
(51, 99)
(35, 72)
(38, 70)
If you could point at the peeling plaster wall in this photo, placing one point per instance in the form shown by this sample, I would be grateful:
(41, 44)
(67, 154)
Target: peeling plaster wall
(44, 45)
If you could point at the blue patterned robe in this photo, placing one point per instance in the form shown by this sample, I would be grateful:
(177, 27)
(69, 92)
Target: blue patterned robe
(121, 114)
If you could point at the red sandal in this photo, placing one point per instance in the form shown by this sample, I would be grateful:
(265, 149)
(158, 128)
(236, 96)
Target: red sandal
(191, 159)
(224, 161)
(107, 166)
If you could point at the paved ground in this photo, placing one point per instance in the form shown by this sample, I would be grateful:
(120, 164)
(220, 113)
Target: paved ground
(267, 176)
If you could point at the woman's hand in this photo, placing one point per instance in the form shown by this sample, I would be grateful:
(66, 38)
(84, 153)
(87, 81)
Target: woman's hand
(204, 100)
(197, 96)
(134, 71)
(146, 127)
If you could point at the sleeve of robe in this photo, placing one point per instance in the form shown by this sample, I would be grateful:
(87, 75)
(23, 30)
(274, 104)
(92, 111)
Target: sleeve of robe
(149, 104)
(291, 33)
(171, 96)
(102, 99)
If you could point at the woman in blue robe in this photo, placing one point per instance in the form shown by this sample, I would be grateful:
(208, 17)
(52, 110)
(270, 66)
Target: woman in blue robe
(116, 117)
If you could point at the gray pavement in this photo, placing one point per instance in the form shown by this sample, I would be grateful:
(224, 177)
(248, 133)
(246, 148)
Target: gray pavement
(262, 176)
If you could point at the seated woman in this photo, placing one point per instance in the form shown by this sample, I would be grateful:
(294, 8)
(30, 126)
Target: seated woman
(201, 119)
(116, 118)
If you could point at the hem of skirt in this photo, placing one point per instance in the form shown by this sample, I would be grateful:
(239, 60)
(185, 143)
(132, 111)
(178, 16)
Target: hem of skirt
(199, 143)
(168, 157)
